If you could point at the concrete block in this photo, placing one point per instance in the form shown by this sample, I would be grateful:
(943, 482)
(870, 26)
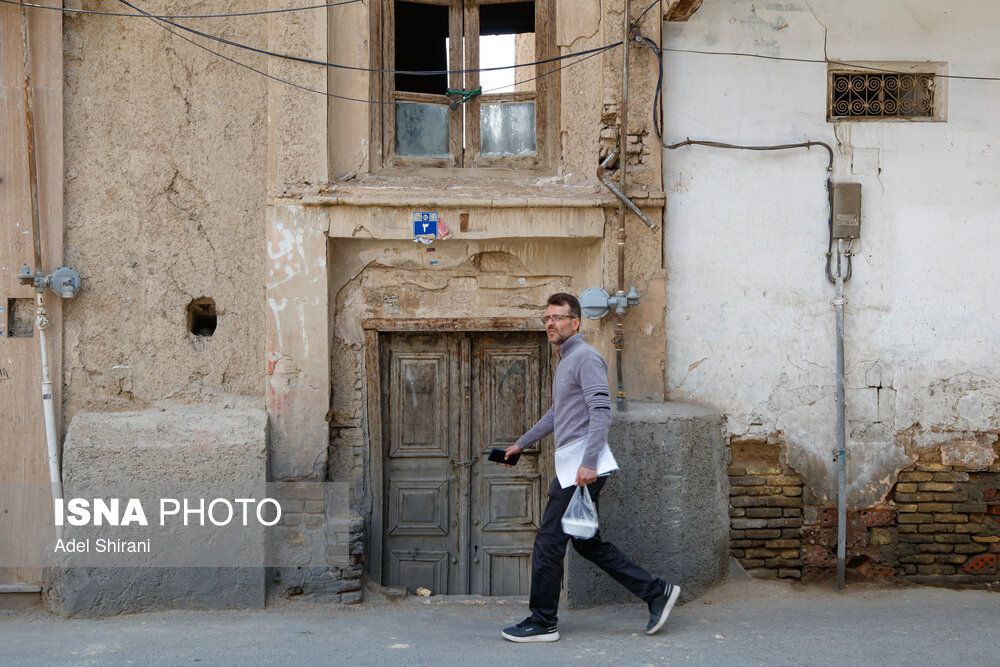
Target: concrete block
(212, 450)
(667, 507)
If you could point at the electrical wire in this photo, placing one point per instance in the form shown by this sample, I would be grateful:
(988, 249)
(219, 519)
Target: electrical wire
(358, 68)
(782, 147)
(260, 12)
(632, 26)
(655, 48)
(293, 84)
(635, 22)
(828, 62)
(649, 43)
(142, 14)
(550, 72)
(262, 72)
(139, 12)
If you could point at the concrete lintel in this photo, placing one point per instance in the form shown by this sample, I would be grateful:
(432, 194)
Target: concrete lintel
(468, 223)
(508, 196)
(411, 199)
(453, 324)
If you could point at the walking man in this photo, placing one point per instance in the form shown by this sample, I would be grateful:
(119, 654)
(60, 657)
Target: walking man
(581, 410)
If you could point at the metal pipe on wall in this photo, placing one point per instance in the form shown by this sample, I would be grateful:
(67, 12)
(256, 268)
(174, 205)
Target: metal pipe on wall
(41, 321)
(605, 179)
(619, 338)
(841, 454)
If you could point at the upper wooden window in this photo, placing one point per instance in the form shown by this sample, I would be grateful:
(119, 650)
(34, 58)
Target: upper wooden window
(495, 118)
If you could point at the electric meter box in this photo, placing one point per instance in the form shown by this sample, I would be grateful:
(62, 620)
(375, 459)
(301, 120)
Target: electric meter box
(846, 210)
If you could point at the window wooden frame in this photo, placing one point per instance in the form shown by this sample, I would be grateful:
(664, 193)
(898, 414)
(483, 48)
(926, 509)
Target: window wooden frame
(391, 95)
(464, 19)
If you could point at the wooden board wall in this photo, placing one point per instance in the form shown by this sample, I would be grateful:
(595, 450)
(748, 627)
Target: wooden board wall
(25, 512)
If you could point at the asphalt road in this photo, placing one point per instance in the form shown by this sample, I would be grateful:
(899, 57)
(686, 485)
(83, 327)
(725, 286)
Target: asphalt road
(738, 623)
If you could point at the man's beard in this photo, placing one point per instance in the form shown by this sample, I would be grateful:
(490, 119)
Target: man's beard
(560, 339)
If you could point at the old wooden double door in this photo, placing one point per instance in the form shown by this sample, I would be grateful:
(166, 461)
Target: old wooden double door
(453, 521)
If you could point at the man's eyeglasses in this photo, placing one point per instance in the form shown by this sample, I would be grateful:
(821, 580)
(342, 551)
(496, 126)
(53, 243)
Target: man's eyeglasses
(556, 318)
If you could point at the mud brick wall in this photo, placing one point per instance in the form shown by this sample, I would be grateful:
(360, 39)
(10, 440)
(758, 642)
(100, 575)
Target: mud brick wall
(871, 541)
(765, 510)
(637, 148)
(314, 529)
(939, 523)
(948, 522)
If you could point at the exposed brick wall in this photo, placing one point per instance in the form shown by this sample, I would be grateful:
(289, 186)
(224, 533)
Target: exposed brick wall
(948, 521)
(313, 529)
(870, 541)
(765, 510)
(940, 523)
(637, 149)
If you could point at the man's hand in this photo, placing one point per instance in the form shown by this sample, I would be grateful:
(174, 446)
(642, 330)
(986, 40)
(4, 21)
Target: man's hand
(509, 452)
(585, 476)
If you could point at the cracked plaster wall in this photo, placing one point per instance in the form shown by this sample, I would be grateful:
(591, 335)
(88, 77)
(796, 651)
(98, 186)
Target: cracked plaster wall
(461, 286)
(164, 196)
(475, 279)
(750, 324)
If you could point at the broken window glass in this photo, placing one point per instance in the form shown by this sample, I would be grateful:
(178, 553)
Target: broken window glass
(421, 45)
(422, 129)
(507, 38)
(428, 36)
(507, 128)
(507, 111)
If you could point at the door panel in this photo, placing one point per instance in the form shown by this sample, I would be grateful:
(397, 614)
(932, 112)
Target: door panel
(507, 570)
(510, 375)
(453, 521)
(422, 401)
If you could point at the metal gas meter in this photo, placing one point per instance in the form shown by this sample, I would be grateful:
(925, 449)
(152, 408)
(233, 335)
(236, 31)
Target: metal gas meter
(846, 206)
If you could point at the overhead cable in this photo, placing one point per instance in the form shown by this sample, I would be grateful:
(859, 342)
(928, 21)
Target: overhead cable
(143, 14)
(782, 147)
(635, 21)
(828, 62)
(358, 68)
(162, 24)
(543, 75)
(259, 12)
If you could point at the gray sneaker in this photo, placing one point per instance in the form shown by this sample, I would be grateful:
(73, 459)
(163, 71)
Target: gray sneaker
(659, 608)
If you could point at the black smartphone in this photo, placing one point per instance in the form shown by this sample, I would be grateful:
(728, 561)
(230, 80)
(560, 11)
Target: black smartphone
(496, 455)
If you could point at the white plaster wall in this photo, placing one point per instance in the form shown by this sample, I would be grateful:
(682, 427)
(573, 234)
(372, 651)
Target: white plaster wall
(750, 327)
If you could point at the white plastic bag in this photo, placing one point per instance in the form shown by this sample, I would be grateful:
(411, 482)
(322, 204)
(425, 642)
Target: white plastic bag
(580, 518)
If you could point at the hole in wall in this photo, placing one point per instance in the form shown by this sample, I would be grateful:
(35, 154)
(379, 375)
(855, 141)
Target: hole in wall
(20, 318)
(202, 317)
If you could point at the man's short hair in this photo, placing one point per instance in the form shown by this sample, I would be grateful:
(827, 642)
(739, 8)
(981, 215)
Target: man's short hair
(563, 299)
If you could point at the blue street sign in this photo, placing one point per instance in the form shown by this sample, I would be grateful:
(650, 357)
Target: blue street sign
(425, 223)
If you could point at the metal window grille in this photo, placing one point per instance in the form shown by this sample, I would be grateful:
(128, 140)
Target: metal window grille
(856, 95)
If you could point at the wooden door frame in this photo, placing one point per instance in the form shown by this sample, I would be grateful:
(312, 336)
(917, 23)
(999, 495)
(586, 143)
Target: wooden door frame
(33, 523)
(371, 329)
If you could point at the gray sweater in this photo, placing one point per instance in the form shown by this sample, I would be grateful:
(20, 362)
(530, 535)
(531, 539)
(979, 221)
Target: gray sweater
(581, 401)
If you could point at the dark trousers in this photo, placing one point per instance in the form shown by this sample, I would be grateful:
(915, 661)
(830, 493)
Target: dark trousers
(550, 550)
